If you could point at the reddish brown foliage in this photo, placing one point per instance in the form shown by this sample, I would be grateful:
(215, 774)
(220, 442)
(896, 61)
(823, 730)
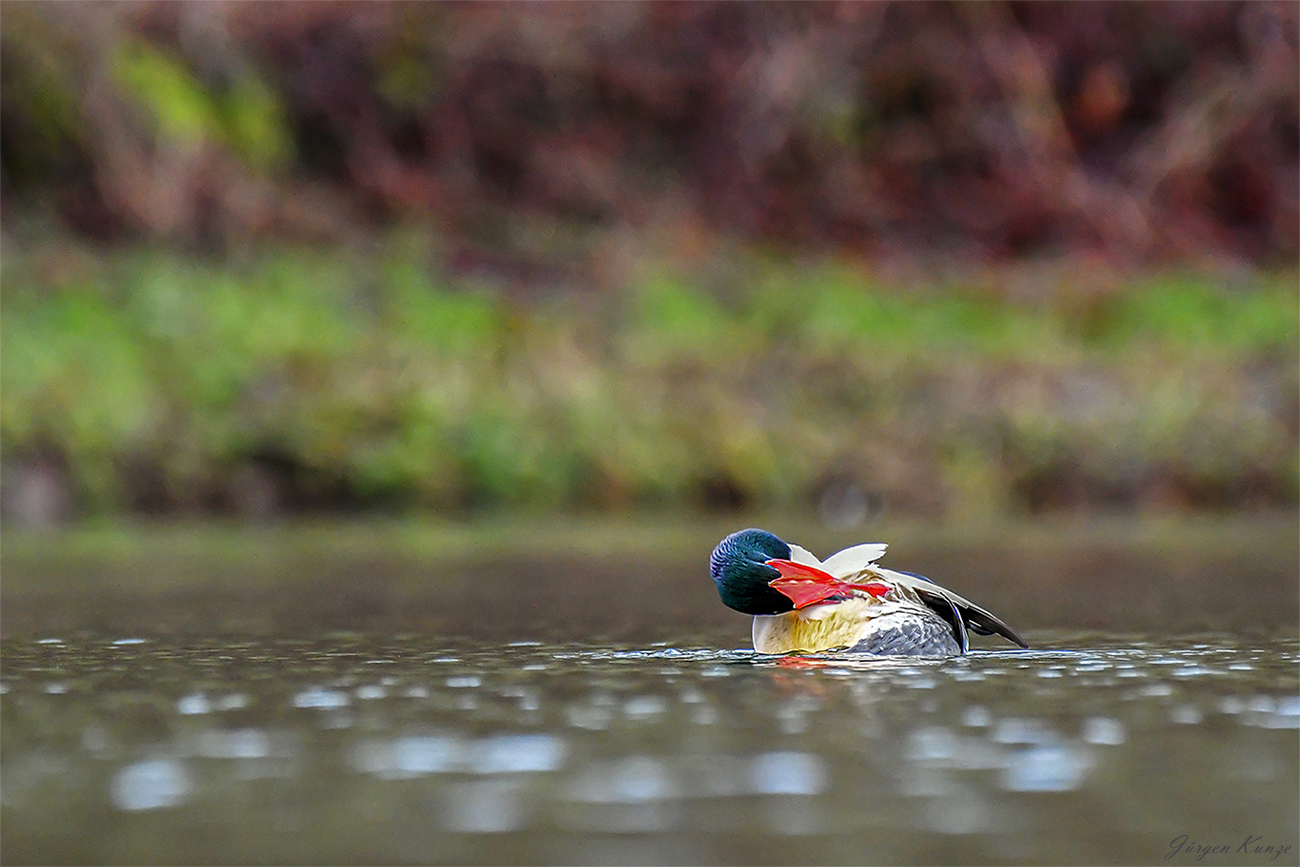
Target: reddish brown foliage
(1142, 132)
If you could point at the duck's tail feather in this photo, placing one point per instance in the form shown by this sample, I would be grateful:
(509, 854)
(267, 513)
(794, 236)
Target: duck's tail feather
(963, 614)
(983, 623)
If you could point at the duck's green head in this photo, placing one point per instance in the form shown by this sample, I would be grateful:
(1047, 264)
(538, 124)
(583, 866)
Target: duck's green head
(740, 571)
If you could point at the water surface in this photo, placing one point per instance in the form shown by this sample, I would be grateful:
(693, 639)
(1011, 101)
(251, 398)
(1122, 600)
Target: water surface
(350, 748)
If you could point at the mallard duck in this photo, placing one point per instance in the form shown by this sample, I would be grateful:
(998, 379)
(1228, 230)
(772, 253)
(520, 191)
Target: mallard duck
(849, 603)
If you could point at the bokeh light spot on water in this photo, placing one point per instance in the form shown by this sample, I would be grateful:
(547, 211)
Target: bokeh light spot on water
(930, 744)
(320, 697)
(1016, 730)
(249, 743)
(408, 756)
(636, 779)
(150, 785)
(788, 773)
(1232, 704)
(195, 703)
(526, 753)
(1103, 730)
(644, 707)
(1050, 768)
(438, 753)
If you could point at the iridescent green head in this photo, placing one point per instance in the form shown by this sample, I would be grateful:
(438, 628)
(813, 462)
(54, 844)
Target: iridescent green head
(740, 571)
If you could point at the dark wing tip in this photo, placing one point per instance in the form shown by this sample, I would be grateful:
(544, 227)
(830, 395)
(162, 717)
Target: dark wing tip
(984, 623)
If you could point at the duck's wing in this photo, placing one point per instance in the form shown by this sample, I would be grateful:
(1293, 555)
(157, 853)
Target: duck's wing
(960, 612)
(850, 561)
(955, 620)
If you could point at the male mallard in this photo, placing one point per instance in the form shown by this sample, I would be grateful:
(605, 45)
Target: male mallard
(847, 602)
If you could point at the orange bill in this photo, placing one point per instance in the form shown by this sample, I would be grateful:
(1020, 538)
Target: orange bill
(806, 585)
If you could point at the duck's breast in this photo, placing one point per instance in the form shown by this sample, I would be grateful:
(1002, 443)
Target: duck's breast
(857, 625)
(817, 627)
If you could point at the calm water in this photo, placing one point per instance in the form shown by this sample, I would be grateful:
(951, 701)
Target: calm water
(347, 748)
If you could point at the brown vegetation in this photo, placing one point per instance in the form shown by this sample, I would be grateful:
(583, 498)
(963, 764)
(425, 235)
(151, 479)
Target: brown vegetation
(530, 134)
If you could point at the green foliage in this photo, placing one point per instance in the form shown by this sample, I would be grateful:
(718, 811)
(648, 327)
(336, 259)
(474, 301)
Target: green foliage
(181, 107)
(832, 310)
(672, 319)
(75, 375)
(378, 375)
(255, 125)
(1186, 313)
(248, 118)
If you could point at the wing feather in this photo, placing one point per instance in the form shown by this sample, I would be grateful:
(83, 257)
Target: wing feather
(850, 561)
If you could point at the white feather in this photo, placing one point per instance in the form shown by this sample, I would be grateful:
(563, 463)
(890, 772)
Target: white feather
(804, 556)
(853, 560)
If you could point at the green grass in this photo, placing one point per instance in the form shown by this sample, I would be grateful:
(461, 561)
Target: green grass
(380, 381)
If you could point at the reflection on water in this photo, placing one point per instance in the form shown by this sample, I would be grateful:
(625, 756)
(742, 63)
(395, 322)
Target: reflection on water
(404, 750)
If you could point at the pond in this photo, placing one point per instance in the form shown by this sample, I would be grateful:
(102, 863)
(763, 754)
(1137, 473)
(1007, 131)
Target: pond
(272, 745)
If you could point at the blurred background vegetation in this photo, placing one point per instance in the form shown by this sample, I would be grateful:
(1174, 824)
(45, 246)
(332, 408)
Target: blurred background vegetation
(973, 259)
